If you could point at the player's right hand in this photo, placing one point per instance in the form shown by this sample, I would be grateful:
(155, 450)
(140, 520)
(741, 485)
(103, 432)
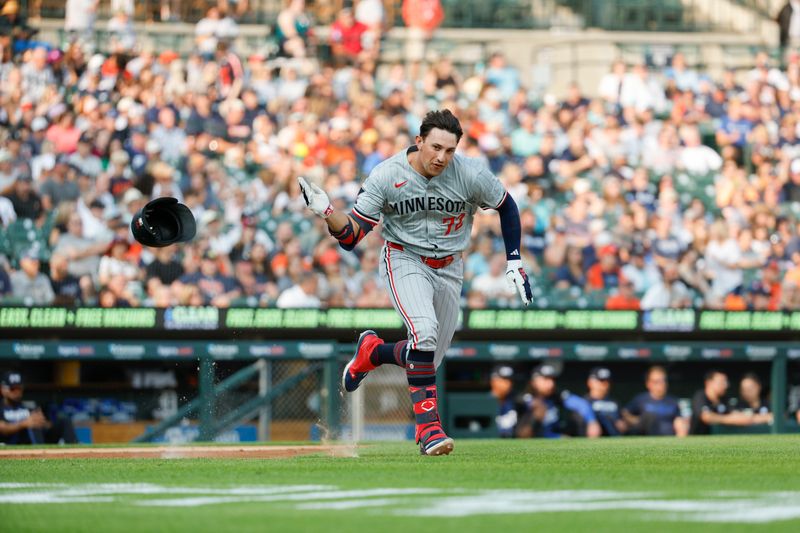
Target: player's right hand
(315, 198)
(517, 278)
(36, 420)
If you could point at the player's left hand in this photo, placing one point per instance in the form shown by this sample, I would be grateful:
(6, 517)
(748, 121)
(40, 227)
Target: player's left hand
(315, 198)
(518, 278)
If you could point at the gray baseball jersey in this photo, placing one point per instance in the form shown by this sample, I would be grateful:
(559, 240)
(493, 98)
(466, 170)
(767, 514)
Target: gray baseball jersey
(428, 218)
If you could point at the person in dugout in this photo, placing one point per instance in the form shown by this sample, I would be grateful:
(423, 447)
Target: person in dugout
(22, 422)
(551, 413)
(502, 385)
(605, 408)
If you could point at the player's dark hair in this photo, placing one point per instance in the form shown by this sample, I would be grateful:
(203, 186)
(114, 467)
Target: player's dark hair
(711, 373)
(753, 376)
(443, 120)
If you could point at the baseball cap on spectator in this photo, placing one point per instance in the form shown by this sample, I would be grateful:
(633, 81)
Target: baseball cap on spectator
(167, 56)
(131, 195)
(95, 62)
(606, 250)
(54, 55)
(39, 124)
(208, 217)
(502, 371)
(152, 146)
(56, 111)
(600, 373)
(545, 370)
(581, 186)
(11, 379)
(329, 257)
(339, 123)
(489, 142)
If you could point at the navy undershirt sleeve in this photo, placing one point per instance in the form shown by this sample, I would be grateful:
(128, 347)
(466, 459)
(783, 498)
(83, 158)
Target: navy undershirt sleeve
(510, 226)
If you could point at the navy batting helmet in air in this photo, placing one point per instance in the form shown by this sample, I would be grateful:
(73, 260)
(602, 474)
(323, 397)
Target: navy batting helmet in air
(162, 222)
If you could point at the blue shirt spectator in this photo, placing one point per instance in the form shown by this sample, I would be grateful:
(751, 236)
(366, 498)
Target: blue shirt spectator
(654, 412)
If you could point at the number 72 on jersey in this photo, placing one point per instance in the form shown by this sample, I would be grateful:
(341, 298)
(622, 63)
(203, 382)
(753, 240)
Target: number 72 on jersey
(453, 223)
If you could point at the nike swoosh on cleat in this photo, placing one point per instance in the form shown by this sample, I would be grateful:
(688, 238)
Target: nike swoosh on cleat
(398, 185)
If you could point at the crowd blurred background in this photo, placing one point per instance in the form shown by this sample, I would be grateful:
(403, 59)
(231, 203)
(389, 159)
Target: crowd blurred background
(665, 188)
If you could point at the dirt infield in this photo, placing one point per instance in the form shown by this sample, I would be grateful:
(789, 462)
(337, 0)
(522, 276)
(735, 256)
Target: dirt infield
(176, 452)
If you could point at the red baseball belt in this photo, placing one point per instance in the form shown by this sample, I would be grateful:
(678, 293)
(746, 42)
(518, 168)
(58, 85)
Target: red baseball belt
(432, 262)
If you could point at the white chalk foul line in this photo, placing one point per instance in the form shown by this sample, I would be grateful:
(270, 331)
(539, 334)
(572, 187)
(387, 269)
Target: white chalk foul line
(712, 506)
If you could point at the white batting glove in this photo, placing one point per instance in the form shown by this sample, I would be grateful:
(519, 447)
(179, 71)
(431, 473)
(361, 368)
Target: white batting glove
(517, 279)
(315, 198)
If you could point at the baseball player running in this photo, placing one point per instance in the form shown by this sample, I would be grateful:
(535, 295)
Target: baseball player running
(427, 196)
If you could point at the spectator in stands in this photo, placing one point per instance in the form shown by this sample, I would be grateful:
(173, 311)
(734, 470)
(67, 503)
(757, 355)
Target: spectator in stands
(625, 299)
(68, 290)
(292, 29)
(572, 273)
(371, 14)
(346, 36)
(551, 413)
(22, 422)
(709, 408)
(216, 288)
(668, 292)
(24, 199)
(206, 32)
(28, 284)
(722, 259)
(604, 275)
(655, 413)
(122, 35)
(83, 254)
(301, 294)
(165, 267)
(606, 409)
(695, 157)
(492, 284)
(502, 388)
(611, 84)
(59, 185)
(79, 18)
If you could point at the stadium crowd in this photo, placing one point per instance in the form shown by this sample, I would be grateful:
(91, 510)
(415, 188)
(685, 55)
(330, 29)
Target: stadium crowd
(667, 189)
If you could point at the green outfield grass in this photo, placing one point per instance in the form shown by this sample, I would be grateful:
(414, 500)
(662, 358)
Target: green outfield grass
(697, 484)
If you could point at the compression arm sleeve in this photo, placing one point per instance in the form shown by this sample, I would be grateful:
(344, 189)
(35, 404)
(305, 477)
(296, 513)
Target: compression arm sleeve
(510, 226)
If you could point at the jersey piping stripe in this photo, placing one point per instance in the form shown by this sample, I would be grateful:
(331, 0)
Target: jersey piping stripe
(397, 298)
(503, 200)
(364, 217)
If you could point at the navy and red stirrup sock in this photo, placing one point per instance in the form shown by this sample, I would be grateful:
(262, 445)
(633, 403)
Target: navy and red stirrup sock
(420, 370)
(390, 354)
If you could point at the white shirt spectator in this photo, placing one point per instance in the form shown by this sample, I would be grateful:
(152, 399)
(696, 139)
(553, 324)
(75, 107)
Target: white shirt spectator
(294, 297)
(722, 258)
(79, 15)
(370, 13)
(699, 159)
(660, 296)
(7, 213)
